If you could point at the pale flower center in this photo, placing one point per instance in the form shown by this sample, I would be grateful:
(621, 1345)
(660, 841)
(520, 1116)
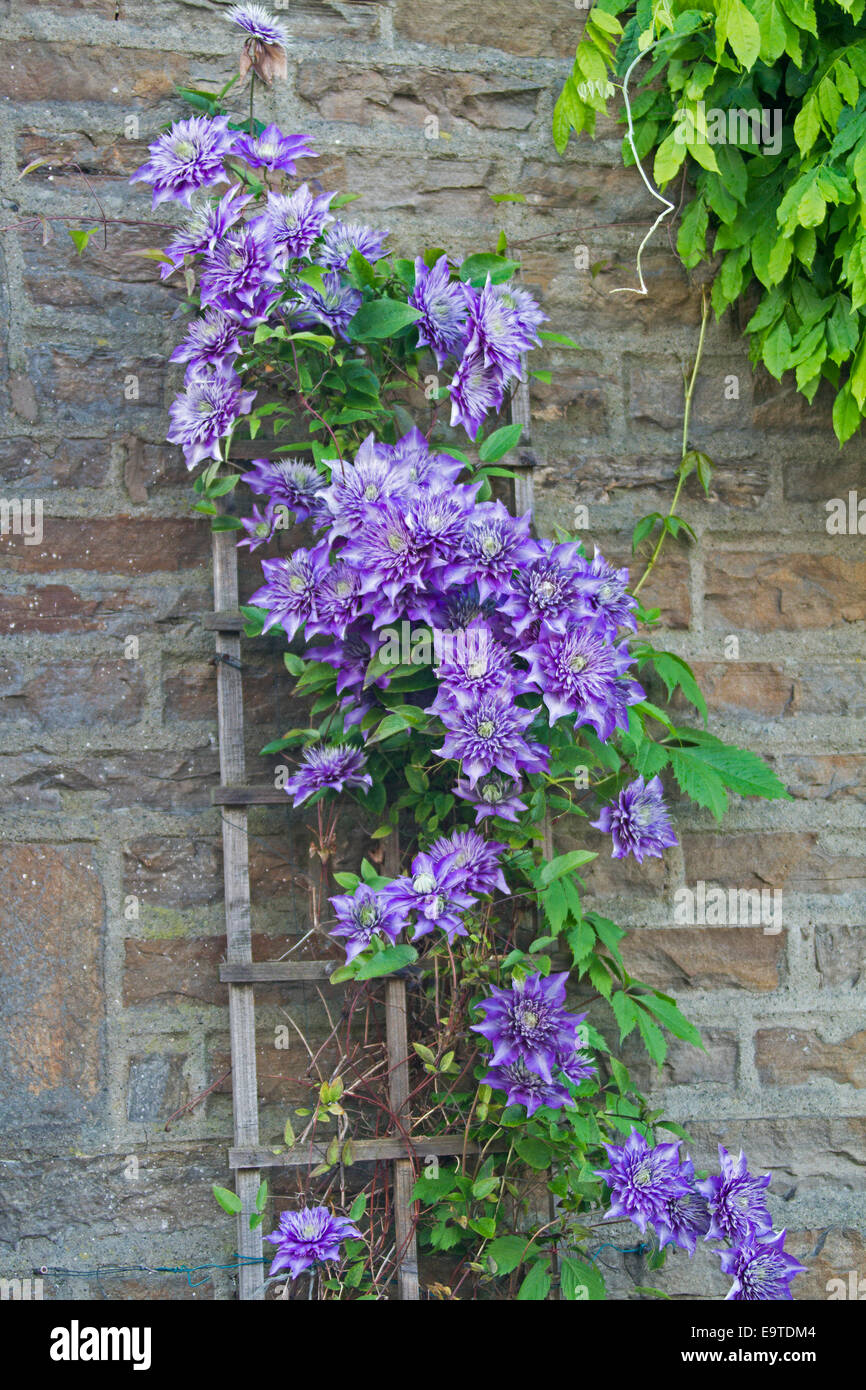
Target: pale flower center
(484, 728)
(423, 883)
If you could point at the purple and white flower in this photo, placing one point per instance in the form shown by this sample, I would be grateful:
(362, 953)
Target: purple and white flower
(206, 412)
(581, 673)
(271, 149)
(186, 158)
(529, 1022)
(330, 767)
(642, 1180)
(289, 591)
(342, 238)
(307, 1237)
(762, 1270)
(363, 915)
(444, 308)
(638, 821)
(735, 1200)
(291, 222)
(485, 733)
(433, 892)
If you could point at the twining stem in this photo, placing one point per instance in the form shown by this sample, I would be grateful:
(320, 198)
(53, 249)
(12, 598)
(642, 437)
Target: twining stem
(689, 396)
(252, 97)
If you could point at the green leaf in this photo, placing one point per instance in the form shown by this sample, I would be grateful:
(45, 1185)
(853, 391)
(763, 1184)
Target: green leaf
(381, 318)
(739, 768)
(229, 1201)
(653, 1037)
(507, 1252)
(698, 781)
(534, 1152)
(430, 1190)
(536, 1285)
(580, 1280)
(672, 1018)
(741, 30)
(499, 443)
(385, 962)
(358, 1207)
(564, 864)
(625, 1011)
(560, 339)
(475, 269)
(81, 236)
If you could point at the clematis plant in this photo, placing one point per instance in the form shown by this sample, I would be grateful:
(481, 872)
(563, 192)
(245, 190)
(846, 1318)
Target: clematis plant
(476, 690)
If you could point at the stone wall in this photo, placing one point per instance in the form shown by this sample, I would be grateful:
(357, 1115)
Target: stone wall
(112, 1013)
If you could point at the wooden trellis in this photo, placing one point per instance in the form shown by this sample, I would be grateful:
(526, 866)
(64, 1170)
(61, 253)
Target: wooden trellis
(242, 974)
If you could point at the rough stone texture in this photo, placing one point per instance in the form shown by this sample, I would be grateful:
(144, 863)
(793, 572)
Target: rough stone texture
(113, 1014)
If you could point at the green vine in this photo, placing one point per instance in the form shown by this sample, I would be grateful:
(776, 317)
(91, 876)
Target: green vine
(758, 107)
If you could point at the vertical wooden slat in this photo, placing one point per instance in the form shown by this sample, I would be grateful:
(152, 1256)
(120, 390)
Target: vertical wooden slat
(242, 1021)
(397, 1041)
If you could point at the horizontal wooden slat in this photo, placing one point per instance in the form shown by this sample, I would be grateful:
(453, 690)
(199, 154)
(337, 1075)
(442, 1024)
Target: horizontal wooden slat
(229, 620)
(274, 971)
(363, 1151)
(249, 796)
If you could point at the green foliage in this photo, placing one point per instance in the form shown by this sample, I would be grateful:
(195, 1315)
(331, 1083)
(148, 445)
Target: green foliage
(780, 208)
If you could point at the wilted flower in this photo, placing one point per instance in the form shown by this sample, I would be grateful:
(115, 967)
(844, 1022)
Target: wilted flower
(186, 158)
(265, 48)
(330, 766)
(309, 1236)
(761, 1269)
(638, 821)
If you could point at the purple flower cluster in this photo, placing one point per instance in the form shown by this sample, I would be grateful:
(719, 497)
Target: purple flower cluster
(516, 628)
(442, 885)
(654, 1186)
(535, 1042)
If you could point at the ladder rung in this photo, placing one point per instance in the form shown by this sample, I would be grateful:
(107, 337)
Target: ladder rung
(249, 796)
(274, 971)
(363, 1151)
(228, 620)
